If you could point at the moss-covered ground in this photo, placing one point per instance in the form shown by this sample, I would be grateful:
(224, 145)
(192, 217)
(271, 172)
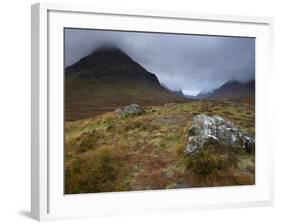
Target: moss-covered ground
(107, 153)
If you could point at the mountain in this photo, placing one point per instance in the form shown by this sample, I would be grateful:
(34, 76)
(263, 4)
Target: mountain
(203, 95)
(179, 93)
(192, 97)
(108, 78)
(233, 90)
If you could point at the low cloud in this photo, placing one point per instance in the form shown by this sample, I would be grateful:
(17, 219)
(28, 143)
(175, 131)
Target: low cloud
(192, 63)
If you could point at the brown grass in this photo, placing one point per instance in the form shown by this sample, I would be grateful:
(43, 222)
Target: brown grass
(108, 153)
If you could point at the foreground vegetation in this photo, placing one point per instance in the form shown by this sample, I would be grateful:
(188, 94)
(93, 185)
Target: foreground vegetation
(107, 153)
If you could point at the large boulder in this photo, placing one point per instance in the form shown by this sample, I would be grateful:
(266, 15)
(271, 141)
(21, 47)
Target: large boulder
(215, 129)
(130, 110)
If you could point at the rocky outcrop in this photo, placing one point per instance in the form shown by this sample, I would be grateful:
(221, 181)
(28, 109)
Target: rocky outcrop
(131, 110)
(215, 129)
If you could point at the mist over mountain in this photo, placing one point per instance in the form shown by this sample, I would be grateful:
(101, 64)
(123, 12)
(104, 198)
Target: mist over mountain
(179, 93)
(192, 63)
(232, 89)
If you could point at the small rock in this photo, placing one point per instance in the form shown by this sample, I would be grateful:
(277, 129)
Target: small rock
(215, 129)
(131, 110)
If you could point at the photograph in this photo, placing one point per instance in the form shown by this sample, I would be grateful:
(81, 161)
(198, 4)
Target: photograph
(155, 111)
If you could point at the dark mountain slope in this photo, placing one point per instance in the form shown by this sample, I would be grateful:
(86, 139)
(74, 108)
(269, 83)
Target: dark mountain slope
(107, 79)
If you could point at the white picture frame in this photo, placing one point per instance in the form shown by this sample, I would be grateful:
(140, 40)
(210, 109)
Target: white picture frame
(47, 199)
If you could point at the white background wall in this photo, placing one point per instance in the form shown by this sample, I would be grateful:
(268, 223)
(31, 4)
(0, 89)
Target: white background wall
(15, 110)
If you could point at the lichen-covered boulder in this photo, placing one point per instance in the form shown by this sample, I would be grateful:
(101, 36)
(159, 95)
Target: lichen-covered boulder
(130, 110)
(206, 129)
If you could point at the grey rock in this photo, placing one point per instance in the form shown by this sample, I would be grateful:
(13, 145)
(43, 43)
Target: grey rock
(130, 110)
(215, 129)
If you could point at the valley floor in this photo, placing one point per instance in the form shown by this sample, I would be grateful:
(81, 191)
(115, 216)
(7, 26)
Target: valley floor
(107, 153)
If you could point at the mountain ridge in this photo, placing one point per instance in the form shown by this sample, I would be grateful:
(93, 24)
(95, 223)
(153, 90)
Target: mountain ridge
(107, 79)
(232, 89)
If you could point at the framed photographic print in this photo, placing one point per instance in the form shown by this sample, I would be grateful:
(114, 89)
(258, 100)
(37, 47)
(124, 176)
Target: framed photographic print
(148, 111)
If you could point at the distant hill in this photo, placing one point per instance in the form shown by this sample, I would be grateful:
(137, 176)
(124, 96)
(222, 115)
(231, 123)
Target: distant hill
(107, 79)
(179, 93)
(203, 95)
(233, 90)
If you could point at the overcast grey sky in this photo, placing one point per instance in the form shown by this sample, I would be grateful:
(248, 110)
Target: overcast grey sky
(191, 63)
